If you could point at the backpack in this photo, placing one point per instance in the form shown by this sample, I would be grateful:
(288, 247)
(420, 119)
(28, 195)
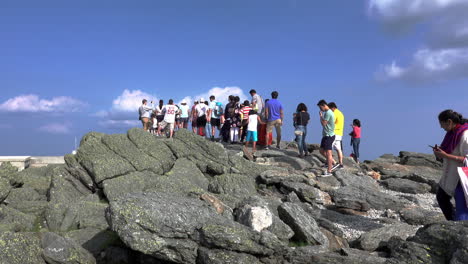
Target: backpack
(218, 111)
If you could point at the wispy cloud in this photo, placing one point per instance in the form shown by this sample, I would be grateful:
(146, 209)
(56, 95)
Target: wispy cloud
(444, 55)
(220, 93)
(56, 128)
(33, 103)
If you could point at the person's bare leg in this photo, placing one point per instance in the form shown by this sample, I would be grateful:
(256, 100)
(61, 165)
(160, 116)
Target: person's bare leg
(340, 156)
(254, 148)
(171, 132)
(329, 160)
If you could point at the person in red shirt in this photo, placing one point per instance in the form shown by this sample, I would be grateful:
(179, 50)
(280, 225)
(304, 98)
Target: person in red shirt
(245, 110)
(356, 138)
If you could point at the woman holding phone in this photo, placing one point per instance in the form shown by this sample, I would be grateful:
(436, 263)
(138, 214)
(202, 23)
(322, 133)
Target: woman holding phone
(454, 152)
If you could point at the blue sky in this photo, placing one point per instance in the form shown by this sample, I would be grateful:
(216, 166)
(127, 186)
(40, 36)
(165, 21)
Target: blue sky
(70, 67)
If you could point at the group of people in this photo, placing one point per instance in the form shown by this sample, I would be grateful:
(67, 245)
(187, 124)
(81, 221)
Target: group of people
(252, 121)
(332, 121)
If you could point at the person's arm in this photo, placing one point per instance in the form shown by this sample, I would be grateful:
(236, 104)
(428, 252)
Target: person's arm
(322, 119)
(281, 115)
(463, 150)
(266, 112)
(260, 120)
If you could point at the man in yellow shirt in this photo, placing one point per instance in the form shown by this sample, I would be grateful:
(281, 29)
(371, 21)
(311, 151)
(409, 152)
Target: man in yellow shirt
(339, 128)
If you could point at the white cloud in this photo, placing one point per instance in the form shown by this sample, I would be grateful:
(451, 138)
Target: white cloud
(56, 128)
(428, 65)
(32, 103)
(445, 31)
(129, 101)
(221, 94)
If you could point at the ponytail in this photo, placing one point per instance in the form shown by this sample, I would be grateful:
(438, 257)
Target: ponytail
(449, 114)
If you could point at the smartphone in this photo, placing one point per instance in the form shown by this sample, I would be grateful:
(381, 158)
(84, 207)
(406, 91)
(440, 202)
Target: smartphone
(432, 147)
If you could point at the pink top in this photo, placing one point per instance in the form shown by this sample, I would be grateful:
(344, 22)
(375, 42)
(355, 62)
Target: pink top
(356, 132)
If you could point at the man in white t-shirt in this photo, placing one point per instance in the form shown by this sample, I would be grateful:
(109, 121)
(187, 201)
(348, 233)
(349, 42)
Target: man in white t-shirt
(170, 112)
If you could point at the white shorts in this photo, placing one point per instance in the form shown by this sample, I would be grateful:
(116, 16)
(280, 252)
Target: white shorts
(337, 143)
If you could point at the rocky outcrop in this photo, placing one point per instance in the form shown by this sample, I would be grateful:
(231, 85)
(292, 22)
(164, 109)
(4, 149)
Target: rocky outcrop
(136, 198)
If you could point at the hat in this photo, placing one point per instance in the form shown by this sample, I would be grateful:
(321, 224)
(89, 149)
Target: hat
(201, 100)
(184, 101)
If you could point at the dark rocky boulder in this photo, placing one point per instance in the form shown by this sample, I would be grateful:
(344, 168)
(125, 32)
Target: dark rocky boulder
(60, 250)
(406, 186)
(377, 238)
(419, 216)
(216, 256)
(5, 189)
(419, 159)
(168, 227)
(20, 248)
(306, 229)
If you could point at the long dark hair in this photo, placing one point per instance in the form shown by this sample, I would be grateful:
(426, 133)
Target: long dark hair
(357, 123)
(456, 117)
(301, 107)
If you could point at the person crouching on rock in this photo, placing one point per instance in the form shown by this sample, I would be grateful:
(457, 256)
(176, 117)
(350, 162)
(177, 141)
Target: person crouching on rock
(453, 151)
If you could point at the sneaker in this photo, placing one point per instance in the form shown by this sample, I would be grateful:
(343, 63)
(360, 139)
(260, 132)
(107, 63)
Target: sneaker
(335, 167)
(326, 174)
(266, 148)
(278, 147)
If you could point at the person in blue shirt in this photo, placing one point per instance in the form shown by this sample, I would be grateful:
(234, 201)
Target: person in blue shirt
(274, 115)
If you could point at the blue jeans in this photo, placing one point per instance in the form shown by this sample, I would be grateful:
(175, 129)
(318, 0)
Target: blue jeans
(300, 140)
(208, 130)
(355, 143)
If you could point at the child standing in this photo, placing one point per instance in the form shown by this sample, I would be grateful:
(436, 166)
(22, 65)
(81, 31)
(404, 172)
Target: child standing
(252, 135)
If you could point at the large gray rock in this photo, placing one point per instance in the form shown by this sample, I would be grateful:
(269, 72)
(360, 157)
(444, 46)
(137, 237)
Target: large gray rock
(95, 240)
(186, 170)
(304, 191)
(162, 154)
(65, 188)
(406, 186)
(170, 227)
(37, 178)
(216, 256)
(362, 182)
(122, 146)
(419, 159)
(377, 238)
(14, 220)
(445, 242)
(148, 182)
(234, 185)
(87, 212)
(77, 171)
(364, 198)
(101, 162)
(5, 189)
(280, 175)
(419, 216)
(294, 162)
(7, 170)
(303, 224)
(60, 250)
(20, 248)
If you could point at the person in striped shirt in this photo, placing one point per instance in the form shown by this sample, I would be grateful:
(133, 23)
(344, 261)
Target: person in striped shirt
(245, 110)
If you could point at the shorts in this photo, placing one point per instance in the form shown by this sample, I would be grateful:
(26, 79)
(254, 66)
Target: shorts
(337, 145)
(163, 125)
(201, 121)
(327, 143)
(160, 118)
(251, 136)
(184, 119)
(277, 124)
(216, 122)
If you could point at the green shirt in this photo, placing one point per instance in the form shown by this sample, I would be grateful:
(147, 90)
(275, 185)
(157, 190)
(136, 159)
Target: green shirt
(329, 128)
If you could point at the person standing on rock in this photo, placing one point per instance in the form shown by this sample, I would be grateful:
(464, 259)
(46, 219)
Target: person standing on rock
(193, 117)
(245, 111)
(454, 152)
(145, 113)
(301, 119)
(159, 114)
(356, 139)
(170, 112)
(327, 119)
(274, 115)
(339, 128)
(184, 114)
(201, 110)
(257, 102)
(252, 126)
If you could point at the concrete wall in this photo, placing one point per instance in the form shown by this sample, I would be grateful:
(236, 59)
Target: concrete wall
(24, 162)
